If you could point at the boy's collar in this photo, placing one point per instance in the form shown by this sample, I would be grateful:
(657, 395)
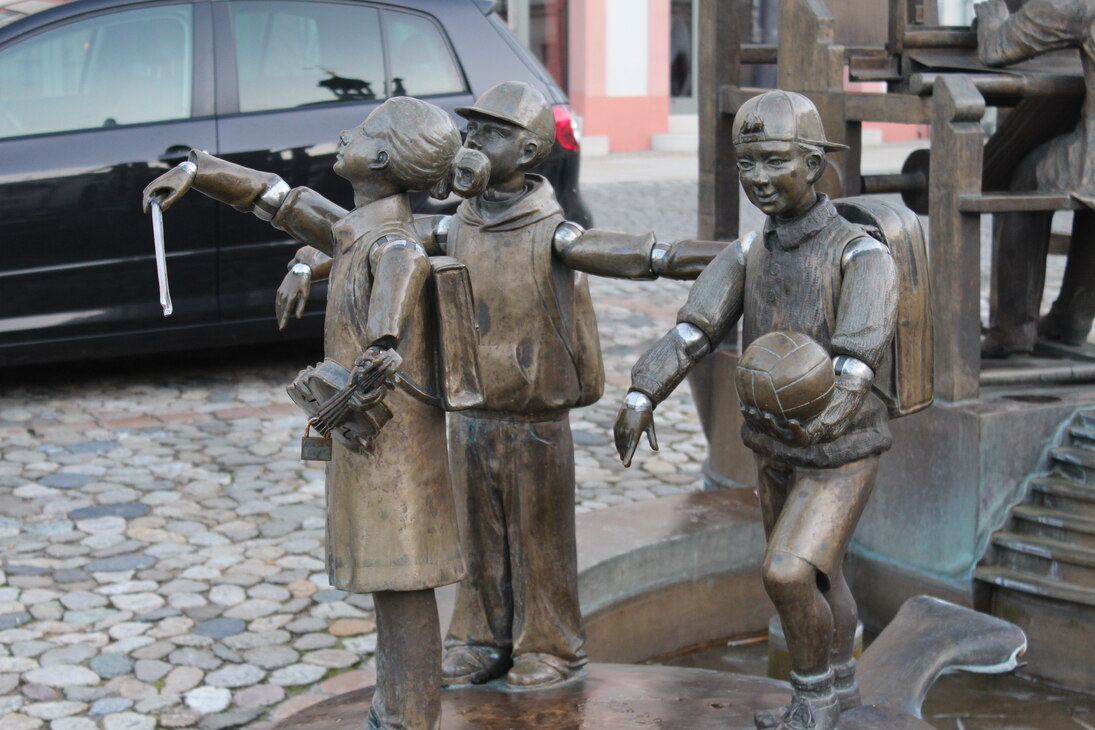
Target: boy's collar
(786, 235)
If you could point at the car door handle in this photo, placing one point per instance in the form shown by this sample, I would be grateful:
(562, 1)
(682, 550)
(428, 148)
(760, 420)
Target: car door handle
(175, 153)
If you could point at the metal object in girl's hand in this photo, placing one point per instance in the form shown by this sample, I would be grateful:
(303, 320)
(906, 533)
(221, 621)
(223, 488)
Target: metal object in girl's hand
(161, 257)
(344, 404)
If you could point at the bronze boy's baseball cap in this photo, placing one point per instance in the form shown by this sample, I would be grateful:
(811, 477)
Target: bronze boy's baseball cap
(518, 103)
(781, 116)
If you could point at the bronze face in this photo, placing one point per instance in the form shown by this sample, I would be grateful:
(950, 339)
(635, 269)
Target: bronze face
(358, 151)
(778, 176)
(510, 149)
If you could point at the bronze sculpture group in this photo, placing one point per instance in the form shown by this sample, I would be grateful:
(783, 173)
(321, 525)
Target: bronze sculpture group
(497, 514)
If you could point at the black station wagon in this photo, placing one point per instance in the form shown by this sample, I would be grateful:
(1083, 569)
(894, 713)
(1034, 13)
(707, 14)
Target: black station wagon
(98, 97)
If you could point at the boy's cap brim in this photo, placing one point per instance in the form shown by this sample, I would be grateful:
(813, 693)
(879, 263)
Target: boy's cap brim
(517, 103)
(825, 145)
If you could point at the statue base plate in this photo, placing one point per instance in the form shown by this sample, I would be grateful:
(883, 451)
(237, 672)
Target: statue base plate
(616, 696)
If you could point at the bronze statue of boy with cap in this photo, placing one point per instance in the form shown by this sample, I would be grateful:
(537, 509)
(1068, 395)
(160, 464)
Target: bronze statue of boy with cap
(512, 459)
(811, 272)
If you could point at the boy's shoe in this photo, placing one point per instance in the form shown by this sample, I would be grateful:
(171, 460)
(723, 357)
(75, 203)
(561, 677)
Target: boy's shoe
(472, 664)
(1062, 328)
(536, 670)
(814, 706)
(998, 344)
(845, 686)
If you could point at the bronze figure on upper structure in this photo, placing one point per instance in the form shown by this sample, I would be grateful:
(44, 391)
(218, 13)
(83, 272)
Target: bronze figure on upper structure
(809, 275)
(391, 518)
(1064, 164)
(512, 458)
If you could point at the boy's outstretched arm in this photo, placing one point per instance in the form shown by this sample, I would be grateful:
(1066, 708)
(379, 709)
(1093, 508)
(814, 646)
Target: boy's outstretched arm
(632, 256)
(713, 307)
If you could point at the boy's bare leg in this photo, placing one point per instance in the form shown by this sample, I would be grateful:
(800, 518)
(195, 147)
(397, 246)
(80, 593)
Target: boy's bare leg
(845, 622)
(408, 662)
(806, 546)
(807, 620)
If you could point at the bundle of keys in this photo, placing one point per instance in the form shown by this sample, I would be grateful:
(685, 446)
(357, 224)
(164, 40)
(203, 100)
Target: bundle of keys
(344, 405)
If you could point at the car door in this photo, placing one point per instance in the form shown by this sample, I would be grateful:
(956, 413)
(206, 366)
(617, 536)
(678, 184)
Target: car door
(297, 73)
(92, 108)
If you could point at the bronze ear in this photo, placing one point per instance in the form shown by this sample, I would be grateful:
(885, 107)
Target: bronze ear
(529, 151)
(816, 163)
(381, 161)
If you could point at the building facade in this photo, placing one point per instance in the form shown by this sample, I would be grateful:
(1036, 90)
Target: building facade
(629, 66)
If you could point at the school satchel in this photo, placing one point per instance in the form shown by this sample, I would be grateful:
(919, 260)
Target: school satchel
(905, 379)
(459, 380)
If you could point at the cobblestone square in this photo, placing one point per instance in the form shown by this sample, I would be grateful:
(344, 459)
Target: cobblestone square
(162, 543)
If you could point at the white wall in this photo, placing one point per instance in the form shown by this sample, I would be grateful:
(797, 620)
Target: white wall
(627, 47)
(955, 12)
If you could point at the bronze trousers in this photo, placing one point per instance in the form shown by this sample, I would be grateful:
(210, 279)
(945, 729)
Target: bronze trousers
(408, 662)
(1020, 245)
(514, 484)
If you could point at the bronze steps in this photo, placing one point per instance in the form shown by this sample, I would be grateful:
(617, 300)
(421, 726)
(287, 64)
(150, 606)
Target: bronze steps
(1064, 494)
(1040, 570)
(1055, 524)
(1059, 560)
(1075, 462)
(1036, 585)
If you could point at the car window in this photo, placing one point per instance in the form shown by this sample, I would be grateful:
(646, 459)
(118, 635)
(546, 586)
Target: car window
(291, 54)
(128, 67)
(421, 63)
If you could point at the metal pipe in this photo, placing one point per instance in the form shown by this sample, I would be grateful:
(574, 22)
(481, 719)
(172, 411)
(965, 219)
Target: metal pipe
(1074, 373)
(762, 53)
(1007, 84)
(939, 38)
(908, 182)
(759, 53)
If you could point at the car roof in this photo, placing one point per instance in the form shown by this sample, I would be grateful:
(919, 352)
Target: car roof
(19, 17)
(12, 10)
(49, 10)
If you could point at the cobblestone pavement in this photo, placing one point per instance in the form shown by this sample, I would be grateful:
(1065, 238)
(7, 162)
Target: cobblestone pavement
(161, 543)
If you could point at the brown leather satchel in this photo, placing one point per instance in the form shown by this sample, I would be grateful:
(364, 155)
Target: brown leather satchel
(905, 379)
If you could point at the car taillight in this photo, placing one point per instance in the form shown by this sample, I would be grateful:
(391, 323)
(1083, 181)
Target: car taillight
(567, 127)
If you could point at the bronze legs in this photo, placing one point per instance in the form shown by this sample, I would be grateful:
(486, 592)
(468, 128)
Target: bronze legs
(514, 481)
(1069, 320)
(408, 666)
(1020, 246)
(809, 517)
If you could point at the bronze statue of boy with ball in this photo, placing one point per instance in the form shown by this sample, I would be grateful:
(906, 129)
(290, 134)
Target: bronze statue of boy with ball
(810, 288)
